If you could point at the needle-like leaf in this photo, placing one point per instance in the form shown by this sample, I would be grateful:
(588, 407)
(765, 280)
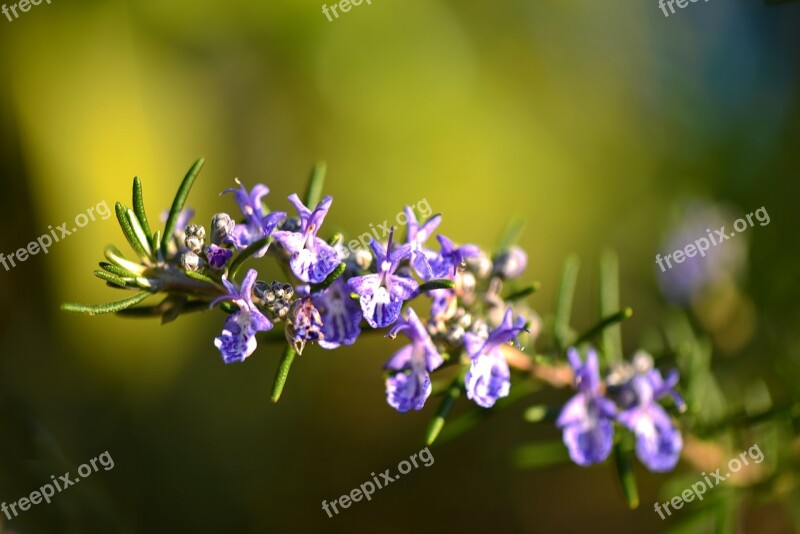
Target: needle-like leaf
(179, 202)
(110, 307)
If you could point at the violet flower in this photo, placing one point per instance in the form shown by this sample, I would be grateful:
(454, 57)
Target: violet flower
(658, 441)
(417, 236)
(409, 387)
(238, 338)
(312, 259)
(218, 256)
(341, 316)
(257, 223)
(451, 257)
(382, 294)
(489, 377)
(587, 418)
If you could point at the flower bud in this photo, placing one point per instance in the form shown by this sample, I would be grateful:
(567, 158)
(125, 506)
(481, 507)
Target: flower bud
(480, 265)
(195, 237)
(190, 261)
(221, 226)
(511, 263)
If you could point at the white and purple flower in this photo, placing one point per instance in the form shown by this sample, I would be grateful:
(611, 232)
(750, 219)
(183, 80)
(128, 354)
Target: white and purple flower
(341, 316)
(587, 419)
(489, 377)
(658, 441)
(257, 223)
(238, 338)
(451, 257)
(382, 294)
(409, 387)
(417, 236)
(312, 259)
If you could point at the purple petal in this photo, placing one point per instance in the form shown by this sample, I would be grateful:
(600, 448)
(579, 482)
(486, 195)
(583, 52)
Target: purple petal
(218, 256)
(401, 359)
(589, 443)
(421, 265)
(408, 391)
(474, 344)
(341, 316)
(270, 221)
(378, 251)
(318, 216)
(364, 285)
(237, 340)
(658, 441)
(291, 241)
(403, 288)
(574, 411)
(429, 227)
(412, 224)
(301, 208)
(487, 380)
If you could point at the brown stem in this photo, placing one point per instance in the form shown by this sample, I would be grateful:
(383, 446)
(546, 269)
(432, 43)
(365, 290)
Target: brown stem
(558, 376)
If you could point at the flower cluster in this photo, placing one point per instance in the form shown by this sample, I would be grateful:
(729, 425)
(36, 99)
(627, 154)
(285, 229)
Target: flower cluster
(630, 397)
(461, 309)
(467, 316)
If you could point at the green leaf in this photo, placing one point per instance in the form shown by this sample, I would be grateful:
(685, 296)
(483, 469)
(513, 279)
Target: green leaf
(201, 277)
(431, 285)
(113, 255)
(138, 209)
(524, 292)
(449, 399)
(459, 425)
(607, 322)
(179, 202)
(119, 271)
(330, 279)
(159, 309)
(110, 307)
(611, 338)
(315, 185)
(566, 292)
(283, 372)
(158, 252)
(254, 247)
(538, 455)
(133, 231)
(114, 279)
(539, 412)
(623, 459)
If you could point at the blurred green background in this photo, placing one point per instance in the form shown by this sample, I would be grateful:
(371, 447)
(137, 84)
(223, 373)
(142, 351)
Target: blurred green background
(592, 121)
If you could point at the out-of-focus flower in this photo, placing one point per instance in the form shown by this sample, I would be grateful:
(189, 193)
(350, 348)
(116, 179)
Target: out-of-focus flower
(658, 441)
(723, 261)
(587, 418)
(511, 263)
(450, 257)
